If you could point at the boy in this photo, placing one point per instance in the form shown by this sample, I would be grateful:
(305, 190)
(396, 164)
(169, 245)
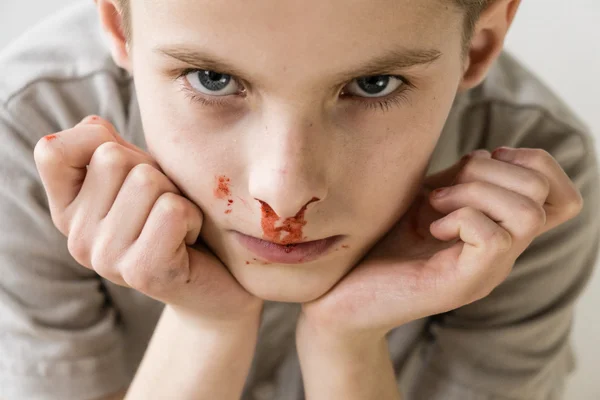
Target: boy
(283, 208)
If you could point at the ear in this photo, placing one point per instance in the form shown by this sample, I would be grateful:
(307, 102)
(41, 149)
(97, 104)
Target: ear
(487, 41)
(111, 19)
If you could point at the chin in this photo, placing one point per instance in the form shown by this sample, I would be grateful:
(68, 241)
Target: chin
(284, 284)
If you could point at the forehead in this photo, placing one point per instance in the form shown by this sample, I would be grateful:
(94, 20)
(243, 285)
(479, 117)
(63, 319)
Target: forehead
(289, 33)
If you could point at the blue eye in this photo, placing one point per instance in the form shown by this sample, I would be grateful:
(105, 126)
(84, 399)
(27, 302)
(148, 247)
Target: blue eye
(374, 86)
(212, 83)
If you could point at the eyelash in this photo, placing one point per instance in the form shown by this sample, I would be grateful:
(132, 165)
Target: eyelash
(396, 98)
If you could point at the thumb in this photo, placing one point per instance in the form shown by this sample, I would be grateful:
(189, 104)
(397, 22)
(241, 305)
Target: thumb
(446, 177)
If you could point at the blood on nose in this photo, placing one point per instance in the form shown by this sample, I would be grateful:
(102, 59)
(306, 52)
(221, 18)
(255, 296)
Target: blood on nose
(292, 225)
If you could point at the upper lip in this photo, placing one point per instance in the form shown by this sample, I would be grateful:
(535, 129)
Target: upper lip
(287, 243)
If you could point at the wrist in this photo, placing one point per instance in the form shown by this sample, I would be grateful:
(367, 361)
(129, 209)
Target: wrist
(343, 345)
(350, 366)
(233, 324)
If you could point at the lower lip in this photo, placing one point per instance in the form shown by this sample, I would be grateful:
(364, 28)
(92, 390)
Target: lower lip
(290, 254)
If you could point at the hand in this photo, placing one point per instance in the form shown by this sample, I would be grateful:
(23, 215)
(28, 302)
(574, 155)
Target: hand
(128, 222)
(450, 251)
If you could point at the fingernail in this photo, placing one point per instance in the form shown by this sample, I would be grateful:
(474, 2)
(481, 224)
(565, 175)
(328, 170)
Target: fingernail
(440, 192)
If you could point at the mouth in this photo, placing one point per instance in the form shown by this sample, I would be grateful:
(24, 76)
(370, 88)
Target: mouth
(293, 253)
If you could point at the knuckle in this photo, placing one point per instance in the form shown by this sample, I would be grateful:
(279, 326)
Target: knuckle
(101, 258)
(575, 206)
(60, 221)
(78, 247)
(541, 184)
(172, 206)
(144, 176)
(100, 263)
(500, 240)
(531, 216)
(474, 189)
(46, 153)
(540, 158)
(99, 130)
(467, 170)
(138, 278)
(110, 156)
(466, 213)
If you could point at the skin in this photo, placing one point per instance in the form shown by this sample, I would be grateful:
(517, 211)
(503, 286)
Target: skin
(289, 140)
(134, 216)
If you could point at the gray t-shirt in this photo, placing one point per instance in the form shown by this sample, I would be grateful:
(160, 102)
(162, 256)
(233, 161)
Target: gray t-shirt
(67, 334)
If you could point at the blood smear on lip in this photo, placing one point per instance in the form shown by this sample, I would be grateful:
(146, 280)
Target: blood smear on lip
(292, 226)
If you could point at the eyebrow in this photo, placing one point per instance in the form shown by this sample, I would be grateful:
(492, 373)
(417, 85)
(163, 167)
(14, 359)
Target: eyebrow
(381, 65)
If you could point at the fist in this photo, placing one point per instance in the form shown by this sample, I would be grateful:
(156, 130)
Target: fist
(126, 220)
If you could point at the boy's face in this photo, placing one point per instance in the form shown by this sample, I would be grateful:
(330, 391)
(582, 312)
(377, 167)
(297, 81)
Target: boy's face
(278, 120)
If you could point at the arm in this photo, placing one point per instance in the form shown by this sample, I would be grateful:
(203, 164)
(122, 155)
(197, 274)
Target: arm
(195, 361)
(354, 370)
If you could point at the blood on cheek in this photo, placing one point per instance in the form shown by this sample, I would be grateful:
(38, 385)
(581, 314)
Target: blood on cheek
(222, 191)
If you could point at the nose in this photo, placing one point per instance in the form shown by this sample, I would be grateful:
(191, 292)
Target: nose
(290, 171)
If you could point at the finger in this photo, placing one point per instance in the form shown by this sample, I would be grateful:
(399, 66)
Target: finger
(61, 160)
(173, 222)
(135, 199)
(564, 201)
(483, 238)
(447, 176)
(96, 120)
(106, 173)
(517, 214)
(524, 181)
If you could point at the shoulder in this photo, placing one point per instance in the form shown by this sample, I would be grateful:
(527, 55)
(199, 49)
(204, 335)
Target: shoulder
(514, 108)
(59, 71)
(510, 84)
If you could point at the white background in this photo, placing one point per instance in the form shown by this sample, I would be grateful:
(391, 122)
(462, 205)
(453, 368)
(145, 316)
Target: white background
(558, 39)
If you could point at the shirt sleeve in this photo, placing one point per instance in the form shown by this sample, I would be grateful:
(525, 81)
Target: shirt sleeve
(515, 343)
(59, 337)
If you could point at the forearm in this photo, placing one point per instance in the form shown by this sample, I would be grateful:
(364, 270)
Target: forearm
(335, 369)
(192, 360)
